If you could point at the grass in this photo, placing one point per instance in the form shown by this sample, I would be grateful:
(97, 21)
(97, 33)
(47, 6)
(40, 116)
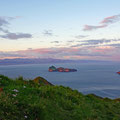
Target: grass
(39, 100)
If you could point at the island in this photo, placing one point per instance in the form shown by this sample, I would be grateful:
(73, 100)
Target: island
(61, 69)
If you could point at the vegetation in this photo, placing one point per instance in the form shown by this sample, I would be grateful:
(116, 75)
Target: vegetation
(39, 100)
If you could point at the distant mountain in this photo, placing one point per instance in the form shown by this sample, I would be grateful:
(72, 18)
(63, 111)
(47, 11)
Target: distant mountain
(48, 60)
(31, 61)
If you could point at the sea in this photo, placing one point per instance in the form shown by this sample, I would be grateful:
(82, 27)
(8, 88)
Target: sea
(91, 78)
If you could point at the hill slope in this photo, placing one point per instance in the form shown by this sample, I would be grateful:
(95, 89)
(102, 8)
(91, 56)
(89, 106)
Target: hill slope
(31, 100)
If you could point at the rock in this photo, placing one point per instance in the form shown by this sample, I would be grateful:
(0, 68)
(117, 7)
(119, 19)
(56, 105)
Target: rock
(117, 99)
(41, 81)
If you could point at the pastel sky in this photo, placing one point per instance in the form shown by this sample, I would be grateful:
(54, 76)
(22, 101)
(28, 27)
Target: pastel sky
(64, 29)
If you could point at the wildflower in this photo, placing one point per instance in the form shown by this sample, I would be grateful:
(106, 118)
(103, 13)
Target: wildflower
(15, 90)
(14, 95)
(25, 116)
(24, 86)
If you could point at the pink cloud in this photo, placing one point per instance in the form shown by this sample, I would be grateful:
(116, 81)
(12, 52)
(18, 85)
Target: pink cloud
(69, 50)
(104, 23)
(41, 51)
(50, 51)
(103, 49)
(76, 57)
(110, 19)
(92, 53)
(13, 57)
(90, 27)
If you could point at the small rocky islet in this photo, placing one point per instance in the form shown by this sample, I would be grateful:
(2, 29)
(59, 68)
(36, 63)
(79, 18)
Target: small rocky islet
(61, 69)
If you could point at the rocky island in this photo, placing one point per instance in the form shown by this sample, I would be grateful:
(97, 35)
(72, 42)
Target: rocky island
(61, 69)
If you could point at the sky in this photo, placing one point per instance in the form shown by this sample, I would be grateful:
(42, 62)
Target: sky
(62, 29)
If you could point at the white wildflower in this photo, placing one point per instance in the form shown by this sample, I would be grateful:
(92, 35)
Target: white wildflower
(14, 95)
(25, 116)
(15, 90)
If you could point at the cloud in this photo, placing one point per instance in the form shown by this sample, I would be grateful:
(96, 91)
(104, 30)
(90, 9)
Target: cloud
(4, 22)
(70, 41)
(48, 33)
(3, 30)
(116, 45)
(86, 52)
(39, 53)
(96, 42)
(10, 55)
(90, 27)
(104, 23)
(15, 36)
(81, 36)
(111, 19)
(55, 42)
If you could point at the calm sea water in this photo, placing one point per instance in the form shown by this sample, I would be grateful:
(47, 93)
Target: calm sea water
(100, 79)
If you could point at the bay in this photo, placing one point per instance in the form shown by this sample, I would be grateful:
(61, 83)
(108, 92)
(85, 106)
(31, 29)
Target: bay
(100, 79)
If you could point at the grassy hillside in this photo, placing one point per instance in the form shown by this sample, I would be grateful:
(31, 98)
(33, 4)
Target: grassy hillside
(40, 100)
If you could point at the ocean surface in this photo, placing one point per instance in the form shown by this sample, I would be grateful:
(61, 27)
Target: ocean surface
(100, 79)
